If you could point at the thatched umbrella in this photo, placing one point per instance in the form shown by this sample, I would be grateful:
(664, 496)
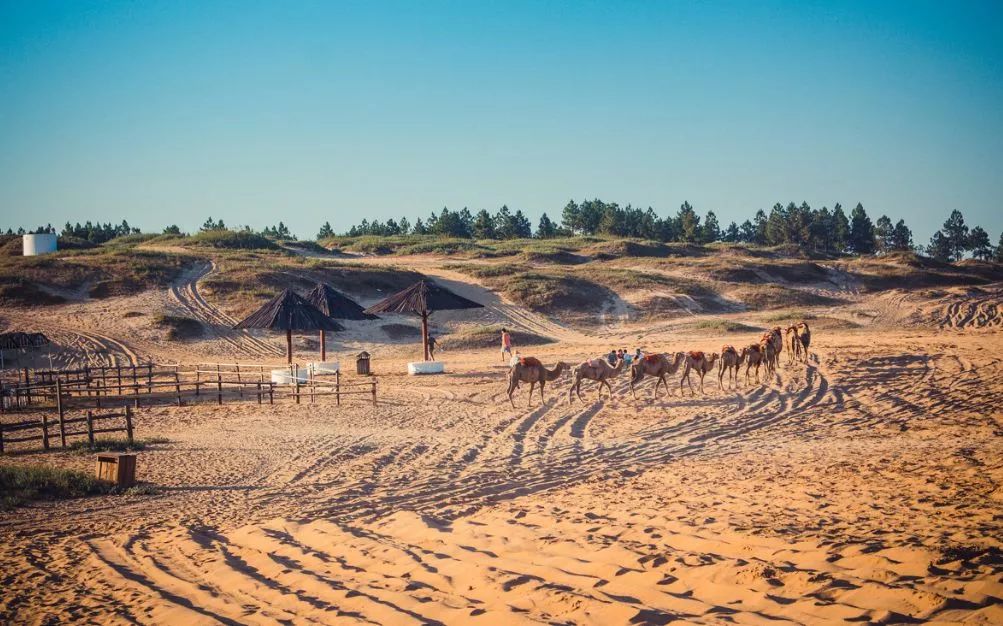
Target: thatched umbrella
(336, 306)
(288, 311)
(422, 298)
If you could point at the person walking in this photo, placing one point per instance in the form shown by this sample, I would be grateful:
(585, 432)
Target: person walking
(506, 345)
(431, 347)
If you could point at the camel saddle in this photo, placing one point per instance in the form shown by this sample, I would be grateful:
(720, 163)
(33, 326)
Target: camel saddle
(529, 361)
(594, 363)
(652, 358)
(729, 349)
(696, 355)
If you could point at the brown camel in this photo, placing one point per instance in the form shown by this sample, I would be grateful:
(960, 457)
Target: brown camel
(770, 356)
(530, 370)
(598, 370)
(753, 355)
(775, 339)
(804, 334)
(793, 345)
(731, 360)
(700, 362)
(657, 365)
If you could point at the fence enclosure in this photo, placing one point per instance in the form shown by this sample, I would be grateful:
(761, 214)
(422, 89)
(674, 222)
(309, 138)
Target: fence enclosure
(67, 428)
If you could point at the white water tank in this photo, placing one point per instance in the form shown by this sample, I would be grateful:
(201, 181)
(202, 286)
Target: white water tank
(42, 243)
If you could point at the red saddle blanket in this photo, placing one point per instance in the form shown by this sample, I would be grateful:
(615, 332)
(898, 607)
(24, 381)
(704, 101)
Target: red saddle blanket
(529, 361)
(652, 358)
(696, 355)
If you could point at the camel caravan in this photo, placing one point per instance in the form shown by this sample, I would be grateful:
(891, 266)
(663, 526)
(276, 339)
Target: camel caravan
(763, 355)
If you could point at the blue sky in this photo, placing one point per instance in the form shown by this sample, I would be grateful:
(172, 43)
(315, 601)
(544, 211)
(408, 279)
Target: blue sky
(167, 112)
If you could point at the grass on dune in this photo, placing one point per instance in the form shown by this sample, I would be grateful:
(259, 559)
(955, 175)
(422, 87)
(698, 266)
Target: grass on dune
(20, 484)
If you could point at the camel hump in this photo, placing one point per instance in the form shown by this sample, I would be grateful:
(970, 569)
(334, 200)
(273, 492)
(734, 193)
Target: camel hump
(696, 355)
(755, 348)
(529, 361)
(728, 349)
(652, 358)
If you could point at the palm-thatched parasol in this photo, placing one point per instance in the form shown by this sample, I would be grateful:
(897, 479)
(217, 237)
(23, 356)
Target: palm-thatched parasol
(423, 298)
(336, 306)
(288, 311)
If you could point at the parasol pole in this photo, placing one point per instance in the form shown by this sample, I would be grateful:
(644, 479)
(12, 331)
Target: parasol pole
(289, 346)
(424, 332)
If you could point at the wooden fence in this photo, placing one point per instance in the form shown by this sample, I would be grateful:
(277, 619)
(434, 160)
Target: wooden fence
(66, 425)
(149, 384)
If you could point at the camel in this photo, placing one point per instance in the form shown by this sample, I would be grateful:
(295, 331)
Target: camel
(654, 365)
(530, 370)
(770, 356)
(753, 355)
(793, 345)
(731, 360)
(775, 339)
(598, 370)
(701, 363)
(804, 334)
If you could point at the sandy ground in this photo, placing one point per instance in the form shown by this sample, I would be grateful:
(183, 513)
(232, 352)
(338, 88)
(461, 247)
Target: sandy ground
(864, 486)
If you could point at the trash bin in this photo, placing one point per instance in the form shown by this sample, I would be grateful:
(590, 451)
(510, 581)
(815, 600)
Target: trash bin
(362, 363)
(117, 468)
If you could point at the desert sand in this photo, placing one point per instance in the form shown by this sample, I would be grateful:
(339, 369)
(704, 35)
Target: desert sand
(864, 486)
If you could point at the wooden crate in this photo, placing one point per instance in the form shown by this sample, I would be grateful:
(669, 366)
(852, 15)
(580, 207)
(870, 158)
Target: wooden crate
(117, 468)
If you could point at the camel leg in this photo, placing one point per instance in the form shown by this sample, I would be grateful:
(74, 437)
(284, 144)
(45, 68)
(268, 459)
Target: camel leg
(511, 389)
(532, 385)
(542, 401)
(608, 388)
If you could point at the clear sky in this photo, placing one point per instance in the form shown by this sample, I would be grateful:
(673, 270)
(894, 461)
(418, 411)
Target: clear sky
(167, 112)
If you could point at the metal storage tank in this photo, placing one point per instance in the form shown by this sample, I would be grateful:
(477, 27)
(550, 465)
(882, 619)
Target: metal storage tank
(42, 243)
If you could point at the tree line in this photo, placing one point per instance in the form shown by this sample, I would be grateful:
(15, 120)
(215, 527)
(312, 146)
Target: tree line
(821, 230)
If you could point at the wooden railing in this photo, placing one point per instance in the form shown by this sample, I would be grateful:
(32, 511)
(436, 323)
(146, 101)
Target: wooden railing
(42, 424)
(102, 387)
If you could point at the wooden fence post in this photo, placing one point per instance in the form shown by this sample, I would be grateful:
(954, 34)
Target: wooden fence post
(118, 370)
(90, 428)
(128, 424)
(259, 393)
(271, 393)
(374, 393)
(177, 384)
(45, 432)
(149, 377)
(219, 385)
(59, 409)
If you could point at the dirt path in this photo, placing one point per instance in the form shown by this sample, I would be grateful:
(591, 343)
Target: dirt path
(185, 292)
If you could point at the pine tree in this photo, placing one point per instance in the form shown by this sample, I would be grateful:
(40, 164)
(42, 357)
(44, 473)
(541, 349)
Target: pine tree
(999, 250)
(504, 228)
(483, 226)
(940, 247)
(979, 244)
(731, 234)
(711, 230)
(325, 231)
(546, 228)
(571, 218)
(405, 226)
(901, 236)
(747, 232)
(760, 222)
(689, 223)
(521, 227)
(883, 231)
(840, 229)
(956, 232)
(861, 237)
(172, 230)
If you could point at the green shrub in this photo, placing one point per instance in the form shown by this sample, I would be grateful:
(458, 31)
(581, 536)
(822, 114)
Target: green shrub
(179, 328)
(231, 240)
(22, 483)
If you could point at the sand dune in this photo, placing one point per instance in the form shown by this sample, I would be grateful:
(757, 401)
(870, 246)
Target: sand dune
(861, 487)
